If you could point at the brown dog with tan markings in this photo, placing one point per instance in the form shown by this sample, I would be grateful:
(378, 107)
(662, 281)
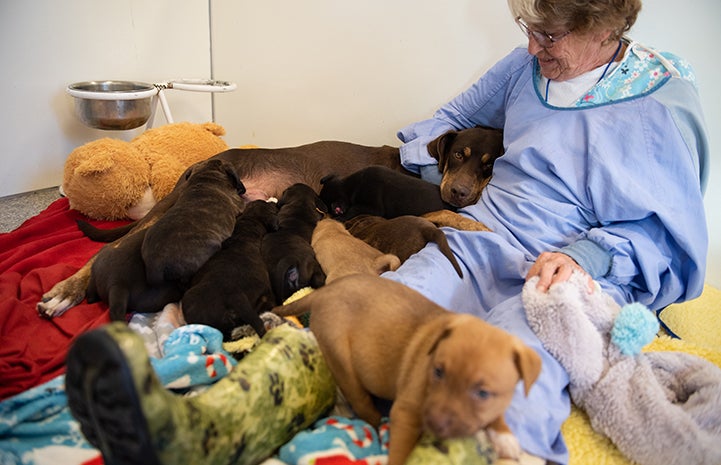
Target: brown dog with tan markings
(340, 254)
(465, 158)
(452, 375)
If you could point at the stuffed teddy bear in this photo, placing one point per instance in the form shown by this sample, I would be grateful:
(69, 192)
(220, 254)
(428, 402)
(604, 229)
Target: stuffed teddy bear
(656, 407)
(111, 179)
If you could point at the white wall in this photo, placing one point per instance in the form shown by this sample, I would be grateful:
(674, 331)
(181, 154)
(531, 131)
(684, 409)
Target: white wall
(46, 45)
(318, 69)
(359, 71)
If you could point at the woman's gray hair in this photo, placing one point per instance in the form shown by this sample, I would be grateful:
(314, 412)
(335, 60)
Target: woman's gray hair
(582, 16)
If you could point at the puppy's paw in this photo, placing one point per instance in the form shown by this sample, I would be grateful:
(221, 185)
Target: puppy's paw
(505, 444)
(63, 295)
(53, 305)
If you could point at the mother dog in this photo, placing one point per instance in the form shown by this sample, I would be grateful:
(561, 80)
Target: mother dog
(267, 173)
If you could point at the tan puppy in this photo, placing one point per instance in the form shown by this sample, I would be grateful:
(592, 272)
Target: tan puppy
(402, 236)
(341, 254)
(453, 375)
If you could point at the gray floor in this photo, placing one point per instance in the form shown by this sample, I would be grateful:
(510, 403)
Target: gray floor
(15, 209)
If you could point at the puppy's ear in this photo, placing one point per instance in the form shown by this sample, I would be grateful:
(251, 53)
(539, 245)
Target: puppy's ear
(443, 335)
(321, 207)
(386, 262)
(528, 363)
(233, 175)
(327, 177)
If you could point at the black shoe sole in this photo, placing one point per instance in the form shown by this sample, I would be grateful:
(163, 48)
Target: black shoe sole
(102, 397)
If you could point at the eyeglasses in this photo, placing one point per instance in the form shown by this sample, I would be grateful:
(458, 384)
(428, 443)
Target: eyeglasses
(544, 39)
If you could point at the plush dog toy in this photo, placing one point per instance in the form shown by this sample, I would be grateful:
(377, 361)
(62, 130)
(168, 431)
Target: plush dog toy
(111, 179)
(656, 407)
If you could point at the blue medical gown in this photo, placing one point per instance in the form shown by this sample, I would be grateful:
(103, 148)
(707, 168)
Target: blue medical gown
(623, 174)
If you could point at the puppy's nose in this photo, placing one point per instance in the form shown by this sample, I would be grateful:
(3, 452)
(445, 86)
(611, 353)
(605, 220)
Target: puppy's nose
(440, 425)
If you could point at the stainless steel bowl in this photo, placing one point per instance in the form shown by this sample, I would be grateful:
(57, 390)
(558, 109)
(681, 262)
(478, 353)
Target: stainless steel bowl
(114, 105)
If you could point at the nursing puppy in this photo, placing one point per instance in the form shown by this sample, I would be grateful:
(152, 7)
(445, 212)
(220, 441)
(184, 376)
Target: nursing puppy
(233, 287)
(380, 191)
(450, 374)
(402, 236)
(287, 252)
(203, 216)
(118, 278)
(466, 158)
(341, 254)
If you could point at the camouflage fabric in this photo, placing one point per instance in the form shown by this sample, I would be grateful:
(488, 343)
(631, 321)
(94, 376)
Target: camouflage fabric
(280, 388)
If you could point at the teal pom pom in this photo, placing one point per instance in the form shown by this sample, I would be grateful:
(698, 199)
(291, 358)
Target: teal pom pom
(635, 326)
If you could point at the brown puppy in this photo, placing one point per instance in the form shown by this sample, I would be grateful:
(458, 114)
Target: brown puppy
(287, 252)
(233, 287)
(118, 278)
(341, 254)
(453, 375)
(402, 236)
(203, 216)
(466, 160)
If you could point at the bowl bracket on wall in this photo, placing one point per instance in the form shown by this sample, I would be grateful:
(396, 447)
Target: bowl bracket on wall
(122, 105)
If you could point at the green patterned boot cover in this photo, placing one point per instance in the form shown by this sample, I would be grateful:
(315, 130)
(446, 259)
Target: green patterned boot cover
(277, 390)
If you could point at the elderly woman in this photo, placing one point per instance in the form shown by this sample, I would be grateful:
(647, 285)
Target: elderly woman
(604, 170)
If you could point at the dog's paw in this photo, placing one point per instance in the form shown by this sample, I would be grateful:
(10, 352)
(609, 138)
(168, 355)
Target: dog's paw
(53, 305)
(63, 295)
(505, 444)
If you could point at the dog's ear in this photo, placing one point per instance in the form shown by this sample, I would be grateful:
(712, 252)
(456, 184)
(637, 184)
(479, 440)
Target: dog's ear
(327, 177)
(321, 207)
(437, 147)
(235, 179)
(386, 262)
(443, 335)
(528, 363)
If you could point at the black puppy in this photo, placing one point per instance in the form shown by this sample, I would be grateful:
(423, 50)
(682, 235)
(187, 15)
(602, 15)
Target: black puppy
(233, 288)
(118, 278)
(380, 191)
(190, 232)
(288, 255)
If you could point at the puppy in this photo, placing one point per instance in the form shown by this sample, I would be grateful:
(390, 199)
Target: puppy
(379, 191)
(402, 236)
(341, 254)
(466, 160)
(233, 287)
(118, 278)
(453, 375)
(287, 252)
(190, 232)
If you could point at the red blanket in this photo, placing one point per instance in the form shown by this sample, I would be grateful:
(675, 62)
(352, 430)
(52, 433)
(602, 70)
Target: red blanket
(41, 252)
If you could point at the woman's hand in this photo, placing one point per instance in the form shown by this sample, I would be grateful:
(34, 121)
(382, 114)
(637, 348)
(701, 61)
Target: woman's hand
(554, 267)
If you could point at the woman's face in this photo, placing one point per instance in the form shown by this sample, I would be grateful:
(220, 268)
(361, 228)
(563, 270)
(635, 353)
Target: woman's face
(572, 55)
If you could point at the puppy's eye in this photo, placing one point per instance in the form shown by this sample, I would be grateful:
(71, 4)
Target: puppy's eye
(438, 373)
(458, 155)
(481, 394)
